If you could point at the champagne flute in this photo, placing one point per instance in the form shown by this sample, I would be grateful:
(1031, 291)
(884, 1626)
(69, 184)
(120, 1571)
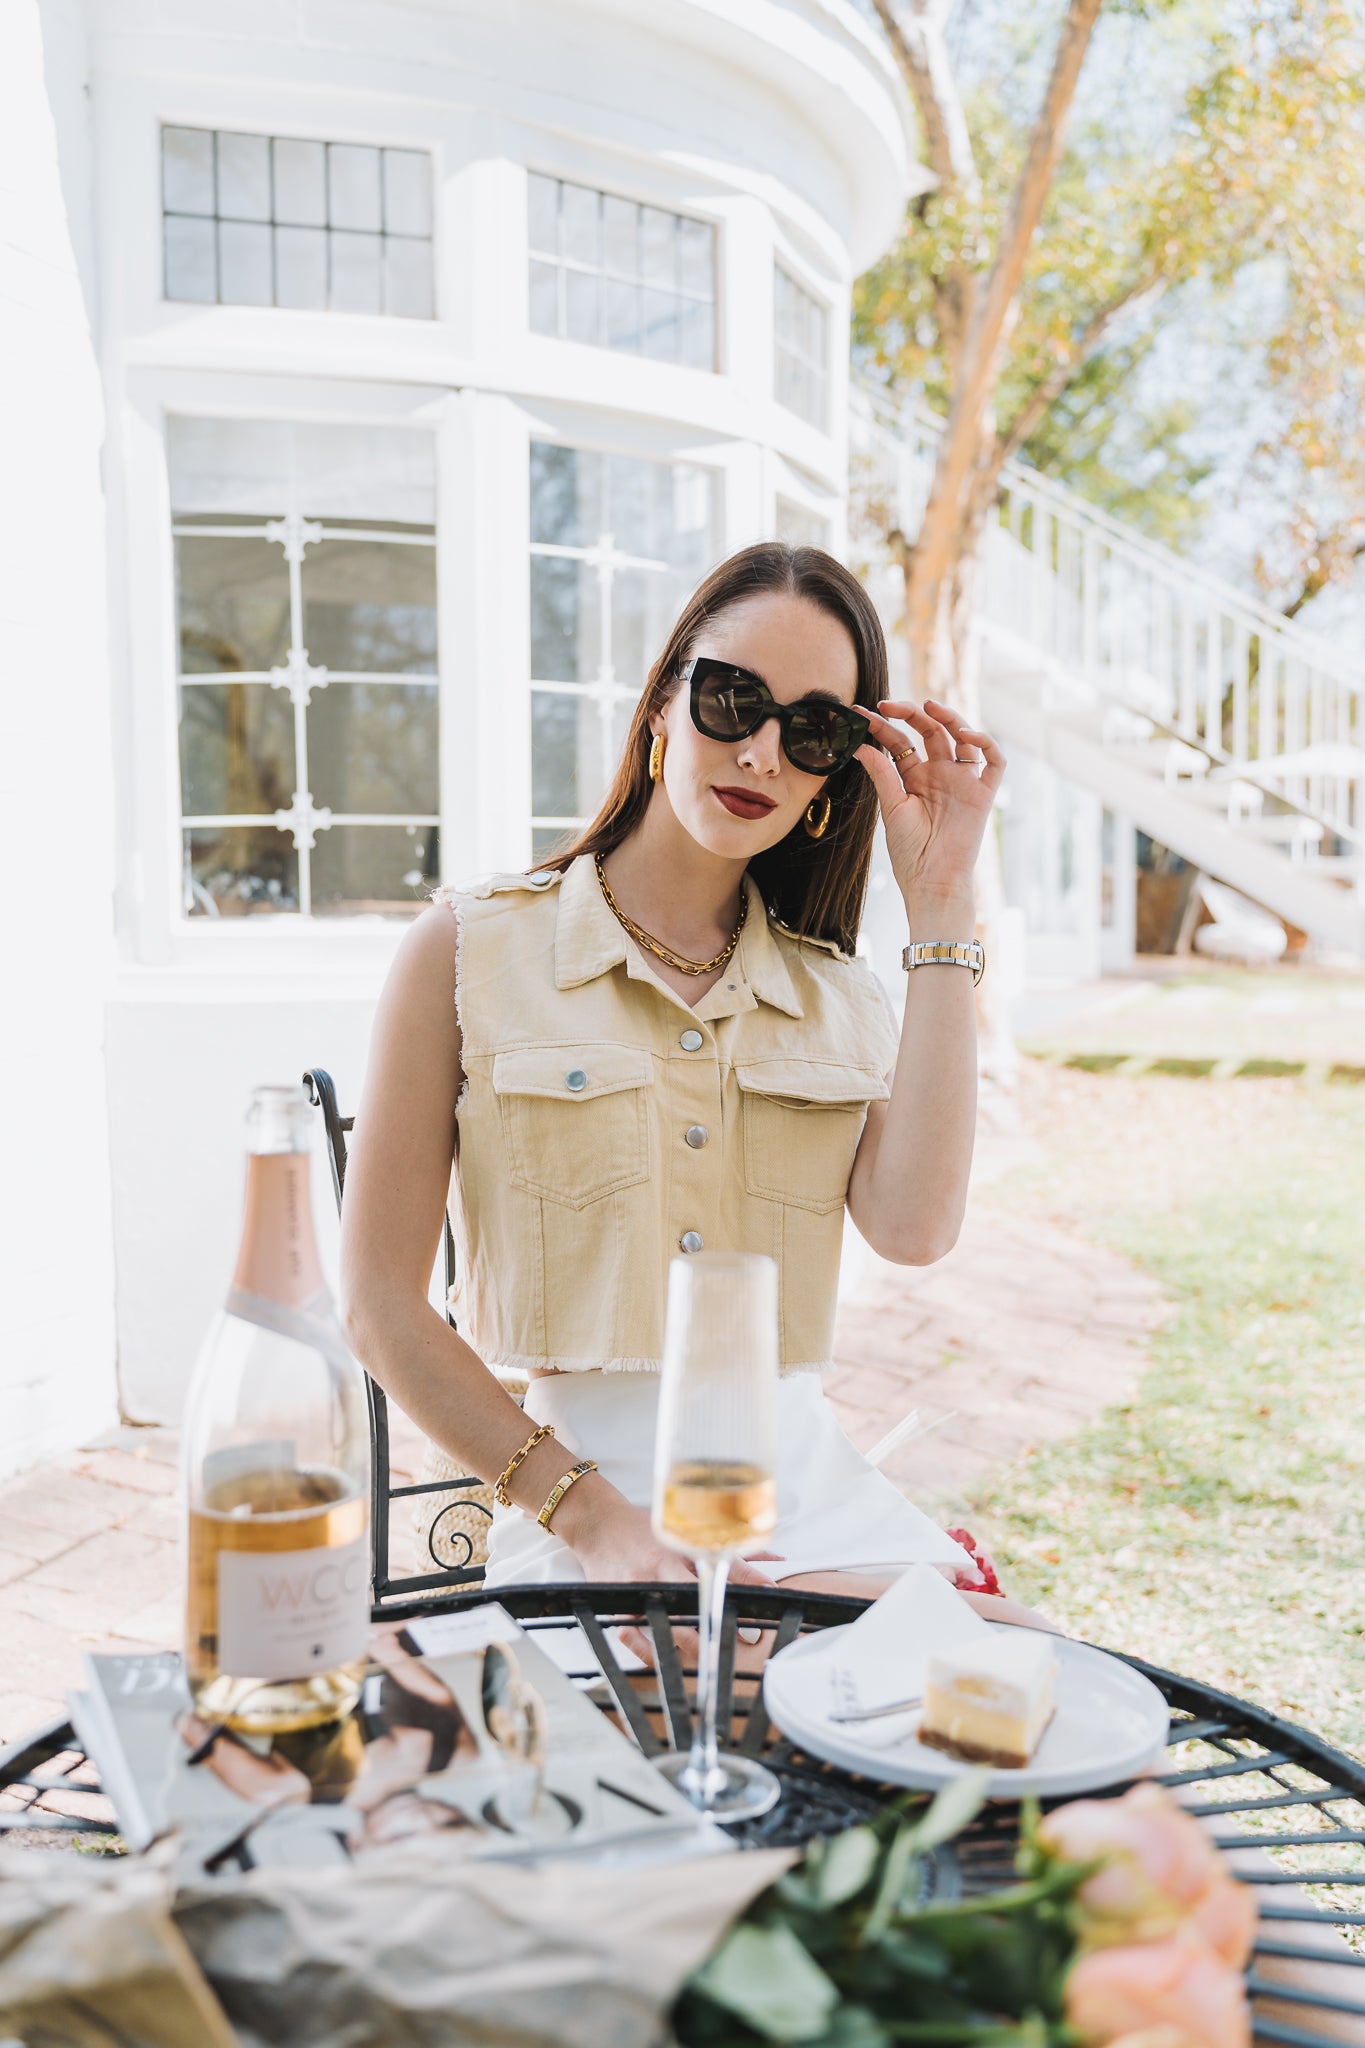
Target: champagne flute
(715, 1490)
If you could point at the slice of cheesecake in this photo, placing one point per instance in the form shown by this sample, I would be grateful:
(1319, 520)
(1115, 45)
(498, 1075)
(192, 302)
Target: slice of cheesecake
(988, 1700)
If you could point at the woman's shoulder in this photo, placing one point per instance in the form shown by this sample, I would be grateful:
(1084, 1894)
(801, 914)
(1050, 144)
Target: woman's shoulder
(822, 969)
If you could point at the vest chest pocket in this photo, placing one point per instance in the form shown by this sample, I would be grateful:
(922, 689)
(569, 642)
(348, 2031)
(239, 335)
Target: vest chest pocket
(575, 1119)
(802, 1123)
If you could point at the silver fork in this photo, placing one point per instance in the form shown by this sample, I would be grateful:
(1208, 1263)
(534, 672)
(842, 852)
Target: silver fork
(880, 1713)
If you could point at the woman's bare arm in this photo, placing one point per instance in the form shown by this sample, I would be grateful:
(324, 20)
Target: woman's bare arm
(397, 1180)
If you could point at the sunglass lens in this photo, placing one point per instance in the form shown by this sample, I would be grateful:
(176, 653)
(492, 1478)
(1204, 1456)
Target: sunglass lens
(819, 739)
(729, 705)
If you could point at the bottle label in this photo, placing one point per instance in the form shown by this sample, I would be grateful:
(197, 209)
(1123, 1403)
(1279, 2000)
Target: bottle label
(289, 1613)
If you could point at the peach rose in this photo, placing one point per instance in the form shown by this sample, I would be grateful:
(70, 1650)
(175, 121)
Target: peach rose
(1157, 2037)
(1161, 1870)
(1176, 1990)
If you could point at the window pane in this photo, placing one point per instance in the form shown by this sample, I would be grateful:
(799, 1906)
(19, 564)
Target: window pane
(800, 527)
(699, 258)
(580, 306)
(353, 187)
(659, 247)
(372, 747)
(621, 222)
(579, 223)
(542, 213)
(548, 839)
(234, 606)
(565, 639)
(236, 749)
(300, 183)
(407, 278)
(245, 267)
(301, 268)
(240, 871)
(697, 335)
(565, 494)
(356, 283)
(544, 298)
(370, 606)
(623, 315)
(659, 319)
(642, 607)
(407, 191)
(243, 177)
(187, 170)
(384, 868)
(563, 730)
(191, 260)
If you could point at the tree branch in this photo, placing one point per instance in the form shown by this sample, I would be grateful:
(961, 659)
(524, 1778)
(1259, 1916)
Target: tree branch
(1317, 579)
(916, 39)
(1049, 389)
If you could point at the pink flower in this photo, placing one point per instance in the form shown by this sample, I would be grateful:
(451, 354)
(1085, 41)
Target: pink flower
(1161, 1871)
(1174, 1993)
(1157, 2037)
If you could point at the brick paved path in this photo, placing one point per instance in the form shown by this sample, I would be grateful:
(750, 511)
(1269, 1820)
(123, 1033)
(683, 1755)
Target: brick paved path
(1021, 1334)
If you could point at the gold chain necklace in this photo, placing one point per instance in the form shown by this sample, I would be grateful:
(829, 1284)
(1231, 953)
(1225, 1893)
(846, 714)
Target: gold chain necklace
(656, 946)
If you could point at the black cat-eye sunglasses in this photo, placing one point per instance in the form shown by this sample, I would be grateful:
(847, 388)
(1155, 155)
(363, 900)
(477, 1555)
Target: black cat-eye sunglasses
(729, 703)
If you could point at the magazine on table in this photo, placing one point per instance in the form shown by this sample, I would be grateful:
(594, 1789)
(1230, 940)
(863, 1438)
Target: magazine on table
(464, 1726)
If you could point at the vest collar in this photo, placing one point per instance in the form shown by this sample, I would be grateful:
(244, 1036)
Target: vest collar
(589, 941)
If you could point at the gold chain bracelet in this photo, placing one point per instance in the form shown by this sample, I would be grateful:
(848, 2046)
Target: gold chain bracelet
(500, 1493)
(569, 1479)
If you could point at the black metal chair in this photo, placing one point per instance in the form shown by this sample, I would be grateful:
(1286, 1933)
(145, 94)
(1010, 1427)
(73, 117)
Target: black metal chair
(322, 1094)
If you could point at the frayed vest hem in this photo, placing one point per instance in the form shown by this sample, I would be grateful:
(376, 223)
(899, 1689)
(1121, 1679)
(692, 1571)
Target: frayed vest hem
(512, 1366)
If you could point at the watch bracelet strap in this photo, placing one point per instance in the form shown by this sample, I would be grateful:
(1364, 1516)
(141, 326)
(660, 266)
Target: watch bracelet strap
(946, 953)
(580, 1471)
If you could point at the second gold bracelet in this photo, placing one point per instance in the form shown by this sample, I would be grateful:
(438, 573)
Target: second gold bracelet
(558, 1493)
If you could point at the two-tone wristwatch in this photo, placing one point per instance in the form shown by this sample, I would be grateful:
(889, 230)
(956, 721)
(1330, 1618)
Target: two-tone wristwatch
(946, 953)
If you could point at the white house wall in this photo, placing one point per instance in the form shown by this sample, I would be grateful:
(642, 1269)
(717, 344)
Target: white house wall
(56, 783)
(780, 121)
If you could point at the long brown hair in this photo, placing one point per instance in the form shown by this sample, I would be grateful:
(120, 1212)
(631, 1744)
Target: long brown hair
(816, 887)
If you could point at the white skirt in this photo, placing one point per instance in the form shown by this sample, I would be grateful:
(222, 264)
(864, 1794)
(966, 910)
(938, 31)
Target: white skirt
(835, 1512)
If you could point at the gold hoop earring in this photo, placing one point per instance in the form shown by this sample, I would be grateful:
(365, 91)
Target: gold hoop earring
(656, 759)
(817, 816)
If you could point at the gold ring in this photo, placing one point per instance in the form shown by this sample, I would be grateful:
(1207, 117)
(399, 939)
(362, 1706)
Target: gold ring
(903, 755)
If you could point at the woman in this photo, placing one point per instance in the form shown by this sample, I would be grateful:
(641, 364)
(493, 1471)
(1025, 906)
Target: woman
(659, 1041)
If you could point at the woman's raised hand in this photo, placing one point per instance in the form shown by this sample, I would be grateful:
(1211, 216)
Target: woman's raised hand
(934, 802)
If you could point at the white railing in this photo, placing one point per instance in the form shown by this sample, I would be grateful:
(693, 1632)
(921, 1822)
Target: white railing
(1128, 622)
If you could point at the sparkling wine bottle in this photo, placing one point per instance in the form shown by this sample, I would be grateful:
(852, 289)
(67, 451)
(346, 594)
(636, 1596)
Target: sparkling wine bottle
(276, 1459)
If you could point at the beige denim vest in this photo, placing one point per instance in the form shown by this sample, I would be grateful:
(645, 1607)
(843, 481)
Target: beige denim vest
(603, 1122)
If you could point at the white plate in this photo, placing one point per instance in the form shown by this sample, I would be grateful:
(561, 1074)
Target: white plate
(1110, 1723)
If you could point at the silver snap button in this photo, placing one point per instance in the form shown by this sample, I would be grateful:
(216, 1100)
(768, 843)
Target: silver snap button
(691, 1240)
(691, 1041)
(696, 1136)
(575, 1079)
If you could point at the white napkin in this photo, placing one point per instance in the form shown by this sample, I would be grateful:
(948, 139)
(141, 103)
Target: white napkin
(884, 1655)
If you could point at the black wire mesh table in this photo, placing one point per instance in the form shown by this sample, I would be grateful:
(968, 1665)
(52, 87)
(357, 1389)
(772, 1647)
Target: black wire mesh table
(1272, 1791)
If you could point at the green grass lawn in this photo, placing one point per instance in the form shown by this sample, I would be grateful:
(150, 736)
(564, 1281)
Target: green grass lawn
(1216, 1525)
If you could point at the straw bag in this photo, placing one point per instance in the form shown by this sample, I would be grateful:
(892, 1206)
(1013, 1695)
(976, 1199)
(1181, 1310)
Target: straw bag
(454, 1526)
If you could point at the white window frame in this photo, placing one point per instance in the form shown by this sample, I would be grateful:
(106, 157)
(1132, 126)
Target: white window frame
(606, 558)
(152, 868)
(801, 282)
(270, 136)
(605, 189)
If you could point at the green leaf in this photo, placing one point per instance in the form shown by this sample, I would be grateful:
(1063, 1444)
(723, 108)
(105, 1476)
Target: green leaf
(853, 2026)
(835, 1869)
(959, 1802)
(764, 1975)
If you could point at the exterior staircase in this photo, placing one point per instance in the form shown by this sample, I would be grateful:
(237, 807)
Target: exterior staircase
(1215, 725)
